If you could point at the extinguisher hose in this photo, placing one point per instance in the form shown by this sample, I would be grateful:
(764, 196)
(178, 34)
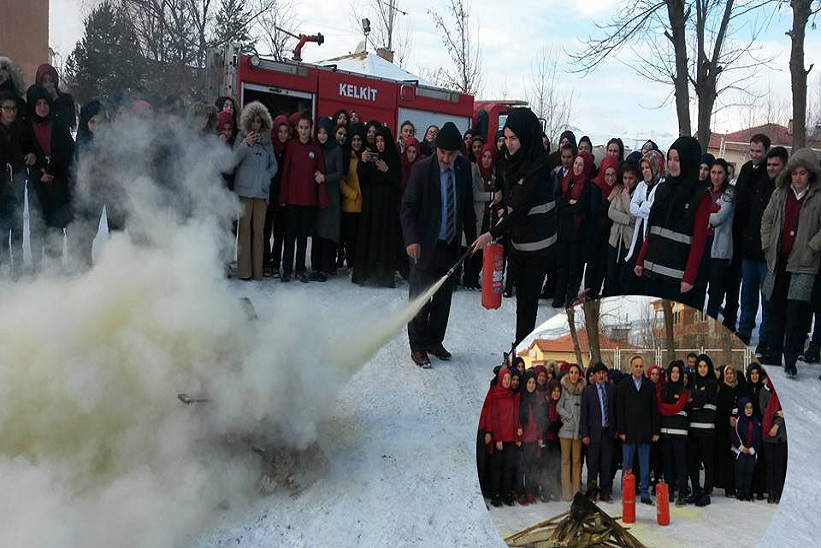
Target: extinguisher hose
(461, 260)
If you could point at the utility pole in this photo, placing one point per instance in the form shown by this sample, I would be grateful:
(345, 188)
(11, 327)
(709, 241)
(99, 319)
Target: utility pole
(391, 15)
(391, 18)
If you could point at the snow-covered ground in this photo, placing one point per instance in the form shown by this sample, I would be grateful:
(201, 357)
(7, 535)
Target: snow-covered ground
(402, 448)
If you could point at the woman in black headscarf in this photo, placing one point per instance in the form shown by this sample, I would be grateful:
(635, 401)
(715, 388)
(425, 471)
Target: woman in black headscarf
(328, 220)
(48, 141)
(380, 177)
(677, 227)
(528, 194)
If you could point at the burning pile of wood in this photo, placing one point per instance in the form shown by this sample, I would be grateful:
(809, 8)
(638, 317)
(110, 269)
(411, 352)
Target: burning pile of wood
(584, 526)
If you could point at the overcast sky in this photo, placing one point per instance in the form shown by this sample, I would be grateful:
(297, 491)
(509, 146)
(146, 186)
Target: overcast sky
(613, 101)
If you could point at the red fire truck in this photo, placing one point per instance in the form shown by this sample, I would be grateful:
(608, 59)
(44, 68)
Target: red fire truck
(286, 87)
(490, 116)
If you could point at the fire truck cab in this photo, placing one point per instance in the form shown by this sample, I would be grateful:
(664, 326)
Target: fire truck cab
(385, 93)
(490, 116)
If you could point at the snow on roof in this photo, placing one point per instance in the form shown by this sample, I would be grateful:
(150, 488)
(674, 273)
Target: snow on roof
(371, 64)
(565, 343)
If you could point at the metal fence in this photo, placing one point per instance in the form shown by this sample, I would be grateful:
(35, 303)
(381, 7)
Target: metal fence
(620, 357)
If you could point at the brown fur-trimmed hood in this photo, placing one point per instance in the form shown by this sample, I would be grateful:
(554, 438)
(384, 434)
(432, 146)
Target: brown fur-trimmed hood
(15, 74)
(251, 110)
(571, 388)
(803, 157)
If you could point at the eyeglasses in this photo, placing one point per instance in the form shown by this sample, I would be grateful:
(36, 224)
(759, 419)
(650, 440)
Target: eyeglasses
(9, 109)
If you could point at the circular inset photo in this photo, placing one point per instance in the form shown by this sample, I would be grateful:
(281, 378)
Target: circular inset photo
(631, 421)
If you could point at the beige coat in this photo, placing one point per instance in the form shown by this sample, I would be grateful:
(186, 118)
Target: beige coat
(624, 224)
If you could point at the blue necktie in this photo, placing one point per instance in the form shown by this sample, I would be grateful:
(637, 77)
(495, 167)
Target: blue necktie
(450, 219)
(603, 395)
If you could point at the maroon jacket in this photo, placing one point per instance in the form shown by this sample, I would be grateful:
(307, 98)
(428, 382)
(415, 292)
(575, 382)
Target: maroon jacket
(298, 186)
(503, 414)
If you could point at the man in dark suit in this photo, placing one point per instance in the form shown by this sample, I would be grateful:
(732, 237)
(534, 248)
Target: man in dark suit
(638, 422)
(597, 428)
(436, 208)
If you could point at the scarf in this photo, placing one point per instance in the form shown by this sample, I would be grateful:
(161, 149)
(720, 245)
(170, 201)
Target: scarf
(279, 146)
(487, 174)
(499, 391)
(606, 163)
(326, 124)
(572, 184)
(655, 160)
(773, 407)
(524, 124)
(42, 131)
(407, 165)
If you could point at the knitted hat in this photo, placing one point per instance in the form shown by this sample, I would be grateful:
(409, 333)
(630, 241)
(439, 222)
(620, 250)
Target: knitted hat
(449, 138)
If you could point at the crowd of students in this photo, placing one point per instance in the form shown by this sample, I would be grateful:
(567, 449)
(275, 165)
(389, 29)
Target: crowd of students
(671, 225)
(692, 426)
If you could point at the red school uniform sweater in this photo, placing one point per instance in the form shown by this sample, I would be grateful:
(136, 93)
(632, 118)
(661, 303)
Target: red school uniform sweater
(298, 186)
(792, 212)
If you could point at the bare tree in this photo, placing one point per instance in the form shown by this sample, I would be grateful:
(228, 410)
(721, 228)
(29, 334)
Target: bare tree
(647, 328)
(765, 107)
(574, 335)
(389, 26)
(802, 10)
(550, 103)
(274, 27)
(592, 323)
(669, 331)
(464, 52)
(699, 49)
(174, 35)
(814, 109)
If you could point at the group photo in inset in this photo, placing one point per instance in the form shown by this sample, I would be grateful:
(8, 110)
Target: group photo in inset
(634, 420)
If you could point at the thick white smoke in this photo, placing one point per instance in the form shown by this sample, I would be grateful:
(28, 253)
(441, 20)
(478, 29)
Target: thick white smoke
(95, 447)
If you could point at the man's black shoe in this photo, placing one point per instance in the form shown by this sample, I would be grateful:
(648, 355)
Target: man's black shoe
(440, 352)
(648, 501)
(420, 358)
(813, 353)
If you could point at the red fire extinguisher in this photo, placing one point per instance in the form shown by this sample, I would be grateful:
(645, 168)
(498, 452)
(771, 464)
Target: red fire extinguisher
(493, 271)
(662, 504)
(628, 507)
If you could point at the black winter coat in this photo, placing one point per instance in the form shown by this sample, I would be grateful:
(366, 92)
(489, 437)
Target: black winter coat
(55, 198)
(753, 191)
(637, 413)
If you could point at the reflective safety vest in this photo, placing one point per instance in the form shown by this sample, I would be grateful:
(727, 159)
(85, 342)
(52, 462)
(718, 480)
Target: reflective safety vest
(536, 233)
(670, 235)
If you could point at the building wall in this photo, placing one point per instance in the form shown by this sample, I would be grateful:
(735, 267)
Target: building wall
(24, 34)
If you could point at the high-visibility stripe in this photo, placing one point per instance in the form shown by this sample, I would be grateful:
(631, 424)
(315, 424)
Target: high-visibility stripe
(674, 431)
(710, 406)
(703, 425)
(544, 208)
(682, 413)
(535, 246)
(671, 235)
(663, 270)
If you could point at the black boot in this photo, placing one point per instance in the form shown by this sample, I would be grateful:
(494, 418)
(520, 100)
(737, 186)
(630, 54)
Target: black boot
(813, 353)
